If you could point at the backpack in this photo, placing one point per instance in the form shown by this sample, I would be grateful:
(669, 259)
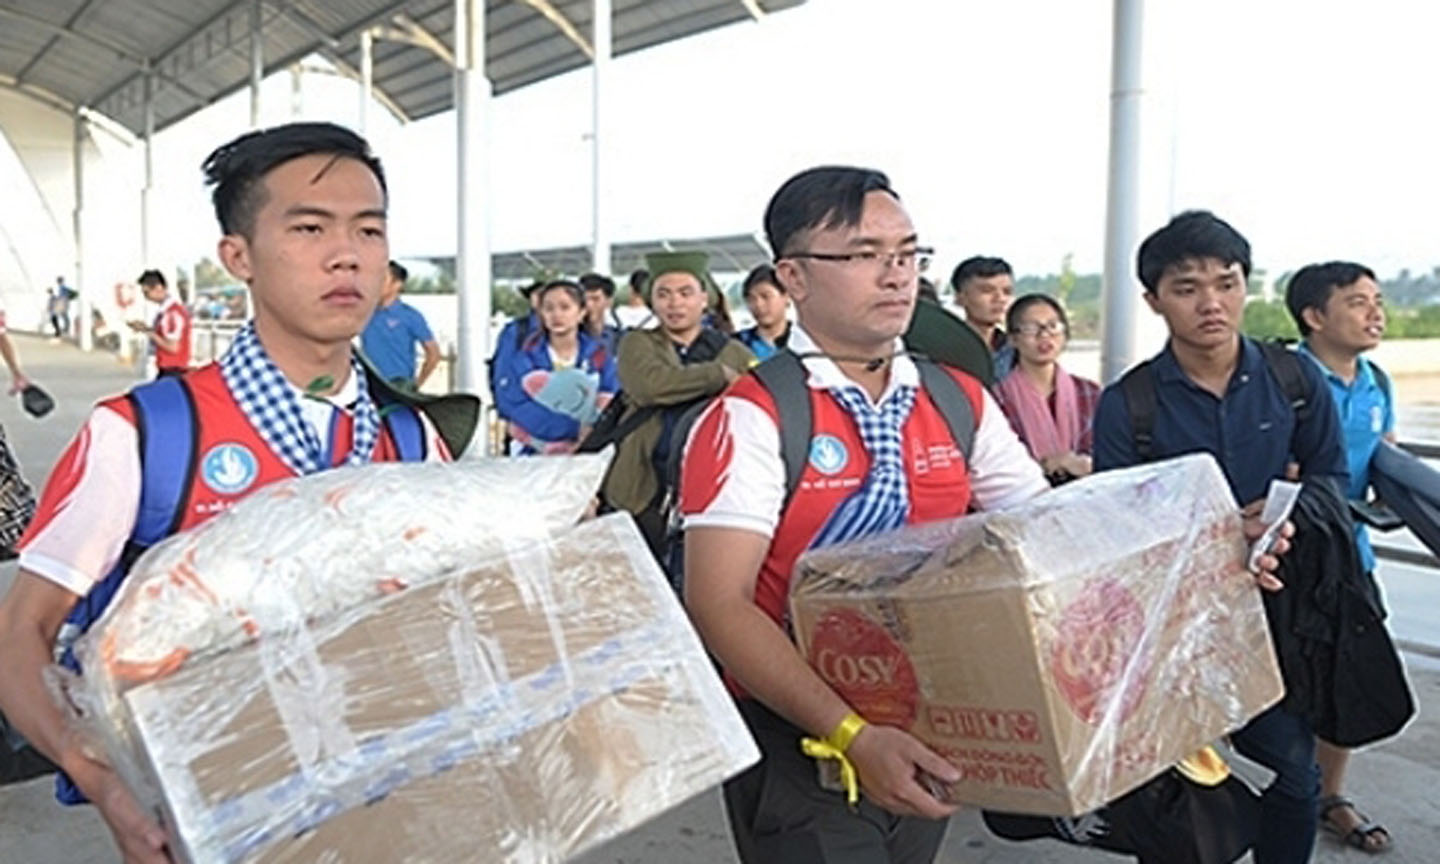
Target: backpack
(169, 440)
(1138, 387)
(785, 379)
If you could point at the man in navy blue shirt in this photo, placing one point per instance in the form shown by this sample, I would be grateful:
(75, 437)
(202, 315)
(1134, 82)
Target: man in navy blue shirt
(1215, 394)
(396, 328)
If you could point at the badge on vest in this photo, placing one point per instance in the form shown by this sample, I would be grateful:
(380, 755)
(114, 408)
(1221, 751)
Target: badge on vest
(828, 454)
(229, 468)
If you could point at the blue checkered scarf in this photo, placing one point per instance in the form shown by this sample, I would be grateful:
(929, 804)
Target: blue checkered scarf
(881, 503)
(270, 404)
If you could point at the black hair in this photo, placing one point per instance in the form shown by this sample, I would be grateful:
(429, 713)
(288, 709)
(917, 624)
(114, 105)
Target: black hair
(572, 288)
(597, 282)
(152, 277)
(1190, 236)
(830, 196)
(237, 169)
(761, 275)
(979, 267)
(926, 290)
(398, 272)
(1012, 317)
(1312, 285)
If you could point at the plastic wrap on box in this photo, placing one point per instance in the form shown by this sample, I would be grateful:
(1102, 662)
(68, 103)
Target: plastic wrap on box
(525, 700)
(308, 547)
(1060, 653)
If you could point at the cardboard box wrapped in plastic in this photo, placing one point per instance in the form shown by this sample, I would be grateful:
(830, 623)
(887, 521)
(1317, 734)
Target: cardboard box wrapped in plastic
(523, 707)
(1061, 653)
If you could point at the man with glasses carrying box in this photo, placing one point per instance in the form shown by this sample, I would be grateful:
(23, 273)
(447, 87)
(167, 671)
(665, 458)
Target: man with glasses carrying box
(849, 258)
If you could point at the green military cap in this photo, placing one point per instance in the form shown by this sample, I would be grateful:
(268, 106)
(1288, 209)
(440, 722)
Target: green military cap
(696, 263)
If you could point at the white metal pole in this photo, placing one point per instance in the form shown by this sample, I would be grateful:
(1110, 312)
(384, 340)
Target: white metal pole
(146, 232)
(257, 62)
(1121, 293)
(81, 313)
(367, 77)
(472, 102)
(297, 92)
(600, 234)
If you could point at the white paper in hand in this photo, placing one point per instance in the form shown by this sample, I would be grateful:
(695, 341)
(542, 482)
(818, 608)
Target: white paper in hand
(1278, 503)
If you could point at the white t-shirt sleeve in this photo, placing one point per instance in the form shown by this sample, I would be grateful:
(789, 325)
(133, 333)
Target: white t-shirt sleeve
(1002, 474)
(733, 474)
(435, 447)
(88, 509)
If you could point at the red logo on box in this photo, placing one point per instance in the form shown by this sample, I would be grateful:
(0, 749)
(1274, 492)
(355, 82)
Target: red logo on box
(1099, 633)
(866, 666)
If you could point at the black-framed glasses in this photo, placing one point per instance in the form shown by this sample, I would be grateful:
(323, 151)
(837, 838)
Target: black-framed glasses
(916, 258)
(1033, 329)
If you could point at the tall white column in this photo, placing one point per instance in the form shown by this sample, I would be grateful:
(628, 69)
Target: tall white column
(472, 262)
(297, 91)
(1121, 293)
(600, 231)
(80, 310)
(257, 62)
(367, 77)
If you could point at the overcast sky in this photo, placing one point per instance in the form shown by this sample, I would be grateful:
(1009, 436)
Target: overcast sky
(1310, 125)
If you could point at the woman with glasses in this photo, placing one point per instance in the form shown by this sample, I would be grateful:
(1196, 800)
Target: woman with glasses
(1051, 410)
(553, 388)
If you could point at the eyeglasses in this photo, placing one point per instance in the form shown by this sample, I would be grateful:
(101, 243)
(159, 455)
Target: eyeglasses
(916, 259)
(1050, 328)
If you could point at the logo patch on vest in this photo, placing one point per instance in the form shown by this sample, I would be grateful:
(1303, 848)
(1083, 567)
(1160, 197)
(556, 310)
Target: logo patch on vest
(828, 454)
(229, 468)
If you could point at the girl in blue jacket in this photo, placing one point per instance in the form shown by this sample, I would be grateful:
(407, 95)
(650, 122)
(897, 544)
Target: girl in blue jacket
(554, 387)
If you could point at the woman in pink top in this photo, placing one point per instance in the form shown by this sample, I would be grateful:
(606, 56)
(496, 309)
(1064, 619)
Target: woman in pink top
(1050, 409)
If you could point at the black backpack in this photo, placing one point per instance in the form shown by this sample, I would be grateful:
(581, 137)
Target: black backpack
(784, 377)
(1138, 386)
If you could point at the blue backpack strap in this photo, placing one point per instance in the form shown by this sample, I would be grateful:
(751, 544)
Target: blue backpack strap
(406, 430)
(169, 434)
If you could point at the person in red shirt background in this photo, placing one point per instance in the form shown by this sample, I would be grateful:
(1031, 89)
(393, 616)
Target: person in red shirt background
(170, 334)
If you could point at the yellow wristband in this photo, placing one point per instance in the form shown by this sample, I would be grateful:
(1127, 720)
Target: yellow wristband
(845, 732)
(834, 747)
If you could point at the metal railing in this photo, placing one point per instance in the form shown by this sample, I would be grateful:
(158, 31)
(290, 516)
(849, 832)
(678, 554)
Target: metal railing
(1400, 555)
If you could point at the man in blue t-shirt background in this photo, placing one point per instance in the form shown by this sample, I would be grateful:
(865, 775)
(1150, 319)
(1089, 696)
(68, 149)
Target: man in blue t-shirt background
(1340, 313)
(389, 339)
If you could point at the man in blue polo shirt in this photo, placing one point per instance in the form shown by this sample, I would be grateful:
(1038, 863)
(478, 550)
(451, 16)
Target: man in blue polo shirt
(1338, 308)
(389, 339)
(1214, 393)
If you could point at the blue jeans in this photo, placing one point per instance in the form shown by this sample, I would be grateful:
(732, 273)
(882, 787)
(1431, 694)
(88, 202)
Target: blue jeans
(1284, 743)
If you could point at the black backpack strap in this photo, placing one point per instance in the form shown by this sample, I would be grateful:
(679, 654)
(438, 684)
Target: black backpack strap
(785, 377)
(1382, 380)
(1285, 366)
(954, 405)
(1138, 387)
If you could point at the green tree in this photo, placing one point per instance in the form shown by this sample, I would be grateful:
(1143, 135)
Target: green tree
(208, 274)
(1066, 282)
(1268, 321)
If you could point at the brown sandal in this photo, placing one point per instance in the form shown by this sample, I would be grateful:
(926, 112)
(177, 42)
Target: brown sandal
(1368, 836)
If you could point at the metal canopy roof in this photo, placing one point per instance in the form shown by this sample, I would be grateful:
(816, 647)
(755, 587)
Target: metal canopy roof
(94, 53)
(728, 254)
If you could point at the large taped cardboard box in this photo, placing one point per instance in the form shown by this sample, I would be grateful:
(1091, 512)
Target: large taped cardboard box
(524, 710)
(1061, 653)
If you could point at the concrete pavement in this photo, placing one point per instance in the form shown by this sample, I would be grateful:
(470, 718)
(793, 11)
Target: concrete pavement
(1398, 782)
